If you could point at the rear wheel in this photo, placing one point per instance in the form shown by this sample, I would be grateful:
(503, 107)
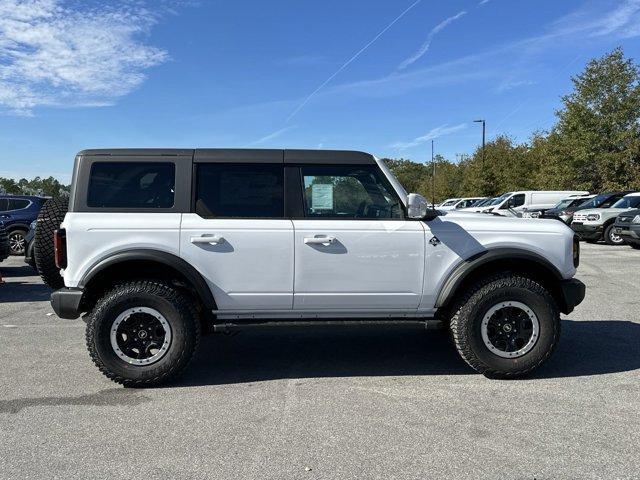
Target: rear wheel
(611, 237)
(506, 326)
(635, 245)
(49, 220)
(17, 243)
(143, 333)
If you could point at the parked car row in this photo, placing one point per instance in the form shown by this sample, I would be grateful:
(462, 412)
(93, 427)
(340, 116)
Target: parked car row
(596, 224)
(608, 217)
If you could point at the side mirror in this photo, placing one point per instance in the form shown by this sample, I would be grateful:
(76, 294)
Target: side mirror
(417, 206)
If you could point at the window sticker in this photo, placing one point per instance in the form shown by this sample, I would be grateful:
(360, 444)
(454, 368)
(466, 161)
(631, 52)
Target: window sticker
(322, 196)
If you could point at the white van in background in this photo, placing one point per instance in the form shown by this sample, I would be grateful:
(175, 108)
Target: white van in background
(512, 204)
(461, 203)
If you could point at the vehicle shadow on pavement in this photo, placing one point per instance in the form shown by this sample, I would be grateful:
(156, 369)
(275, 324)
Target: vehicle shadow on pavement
(322, 352)
(21, 271)
(13, 291)
(594, 347)
(586, 348)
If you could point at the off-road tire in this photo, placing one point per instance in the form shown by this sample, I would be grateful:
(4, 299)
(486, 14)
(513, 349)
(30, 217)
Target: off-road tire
(177, 308)
(635, 245)
(469, 311)
(49, 220)
(607, 236)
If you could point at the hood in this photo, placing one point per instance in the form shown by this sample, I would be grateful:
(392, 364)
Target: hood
(603, 211)
(630, 213)
(484, 222)
(476, 209)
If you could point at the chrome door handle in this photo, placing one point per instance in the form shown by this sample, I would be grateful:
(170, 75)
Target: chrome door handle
(210, 239)
(324, 240)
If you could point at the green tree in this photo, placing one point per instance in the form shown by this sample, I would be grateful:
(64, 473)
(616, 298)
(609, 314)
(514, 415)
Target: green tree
(596, 143)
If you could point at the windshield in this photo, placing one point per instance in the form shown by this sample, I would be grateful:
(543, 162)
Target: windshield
(595, 202)
(567, 202)
(498, 200)
(627, 202)
(484, 202)
(448, 203)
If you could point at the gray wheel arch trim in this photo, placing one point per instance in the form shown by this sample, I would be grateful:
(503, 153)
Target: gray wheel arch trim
(156, 256)
(470, 265)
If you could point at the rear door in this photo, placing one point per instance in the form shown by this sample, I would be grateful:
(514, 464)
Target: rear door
(237, 235)
(354, 249)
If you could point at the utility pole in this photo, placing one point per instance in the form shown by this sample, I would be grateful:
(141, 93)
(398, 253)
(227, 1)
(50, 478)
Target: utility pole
(433, 178)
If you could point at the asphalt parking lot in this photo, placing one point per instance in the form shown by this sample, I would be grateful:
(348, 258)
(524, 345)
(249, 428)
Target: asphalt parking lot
(327, 403)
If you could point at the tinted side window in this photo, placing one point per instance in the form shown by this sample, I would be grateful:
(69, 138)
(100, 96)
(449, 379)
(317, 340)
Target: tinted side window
(607, 203)
(348, 192)
(240, 190)
(3, 204)
(18, 203)
(131, 185)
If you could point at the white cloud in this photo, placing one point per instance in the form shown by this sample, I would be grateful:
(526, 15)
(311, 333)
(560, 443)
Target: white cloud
(54, 55)
(431, 135)
(425, 46)
(483, 2)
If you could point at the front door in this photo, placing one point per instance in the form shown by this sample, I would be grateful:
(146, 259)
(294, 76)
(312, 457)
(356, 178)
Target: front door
(354, 249)
(238, 237)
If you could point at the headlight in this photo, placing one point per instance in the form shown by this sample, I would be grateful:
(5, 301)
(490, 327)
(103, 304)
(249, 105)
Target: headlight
(592, 217)
(636, 219)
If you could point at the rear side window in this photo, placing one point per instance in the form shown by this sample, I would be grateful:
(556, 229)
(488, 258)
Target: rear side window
(18, 203)
(4, 204)
(240, 190)
(131, 185)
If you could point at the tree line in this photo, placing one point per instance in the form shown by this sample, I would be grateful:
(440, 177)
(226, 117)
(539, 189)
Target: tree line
(48, 187)
(594, 144)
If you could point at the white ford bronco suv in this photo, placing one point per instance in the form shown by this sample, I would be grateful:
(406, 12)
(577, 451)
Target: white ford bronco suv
(160, 245)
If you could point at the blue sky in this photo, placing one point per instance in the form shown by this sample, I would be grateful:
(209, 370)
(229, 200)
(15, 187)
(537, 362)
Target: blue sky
(381, 76)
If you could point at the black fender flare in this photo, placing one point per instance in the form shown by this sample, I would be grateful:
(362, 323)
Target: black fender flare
(157, 256)
(16, 226)
(470, 265)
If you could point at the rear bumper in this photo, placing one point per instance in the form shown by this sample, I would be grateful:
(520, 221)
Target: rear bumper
(588, 232)
(66, 302)
(573, 292)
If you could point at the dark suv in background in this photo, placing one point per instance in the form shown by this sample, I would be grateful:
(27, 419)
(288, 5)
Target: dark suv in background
(16, 213)
(627, 226)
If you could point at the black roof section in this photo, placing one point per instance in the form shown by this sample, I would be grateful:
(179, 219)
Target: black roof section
(244, 155)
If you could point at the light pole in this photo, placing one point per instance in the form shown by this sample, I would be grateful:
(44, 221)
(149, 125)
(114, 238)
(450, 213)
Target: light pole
(483, 137)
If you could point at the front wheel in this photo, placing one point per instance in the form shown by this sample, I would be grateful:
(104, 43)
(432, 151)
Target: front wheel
(143, 333)
(506, 326)
(611, 238)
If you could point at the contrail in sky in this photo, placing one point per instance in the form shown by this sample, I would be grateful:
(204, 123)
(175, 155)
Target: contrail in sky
(348, 62)
(425, 46)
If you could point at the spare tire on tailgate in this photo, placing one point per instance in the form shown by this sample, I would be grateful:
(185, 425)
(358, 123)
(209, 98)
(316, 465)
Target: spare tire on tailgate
(49, 220)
